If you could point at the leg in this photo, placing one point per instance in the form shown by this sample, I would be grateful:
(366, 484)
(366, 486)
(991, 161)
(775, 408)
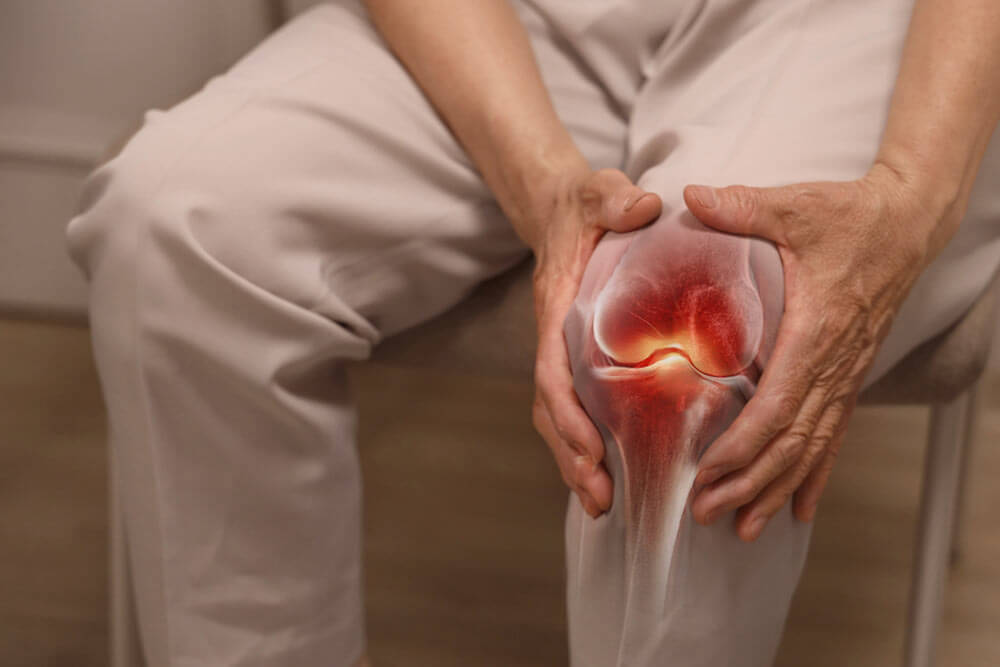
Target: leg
(946, 450)
(243, 247)
(125, 650)
(794, 92)
(668, 337)
(965, 444)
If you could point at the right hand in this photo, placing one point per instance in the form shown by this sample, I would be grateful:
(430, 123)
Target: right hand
(576, 209)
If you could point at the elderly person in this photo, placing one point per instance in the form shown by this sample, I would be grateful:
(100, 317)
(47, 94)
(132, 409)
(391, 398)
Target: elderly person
(368, 165)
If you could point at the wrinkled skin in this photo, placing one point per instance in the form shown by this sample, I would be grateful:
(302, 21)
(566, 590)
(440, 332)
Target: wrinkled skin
(667, 338)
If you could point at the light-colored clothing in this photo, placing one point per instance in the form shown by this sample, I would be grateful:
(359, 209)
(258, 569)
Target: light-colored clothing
(310, 202)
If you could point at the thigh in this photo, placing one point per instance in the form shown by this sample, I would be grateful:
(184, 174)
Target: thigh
(242, 247)
(319, 173)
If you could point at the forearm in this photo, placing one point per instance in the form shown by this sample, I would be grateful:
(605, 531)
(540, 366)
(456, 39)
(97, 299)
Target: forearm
(946, 105)
(474, 62)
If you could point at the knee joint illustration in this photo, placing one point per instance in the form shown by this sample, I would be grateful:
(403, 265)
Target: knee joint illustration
(666, 348)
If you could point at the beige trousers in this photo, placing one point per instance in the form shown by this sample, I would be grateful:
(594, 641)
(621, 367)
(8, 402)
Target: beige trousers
(309, 202)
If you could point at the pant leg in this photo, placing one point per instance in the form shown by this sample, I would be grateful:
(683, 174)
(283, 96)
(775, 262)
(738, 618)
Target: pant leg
(764, 93)
(245, 245)
(760, 93)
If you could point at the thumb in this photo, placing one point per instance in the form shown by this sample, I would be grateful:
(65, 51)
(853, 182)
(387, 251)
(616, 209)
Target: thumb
(740, 209)
(623, 205)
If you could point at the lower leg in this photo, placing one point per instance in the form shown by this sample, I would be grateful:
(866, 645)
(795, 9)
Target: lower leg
(668, 336)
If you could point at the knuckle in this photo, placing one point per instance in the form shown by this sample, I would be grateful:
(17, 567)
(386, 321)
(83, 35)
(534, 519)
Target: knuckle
(572, 478)
(746, 489)
(742, 453)
(545, 382)
(807, 198)
(806, 203)
(744, 200)
(800, 325)
(537, 420)
(803, 468)
(785, 409)
(582, 467)
(562, 432)
(537, 408)
(539, 375)
(783, 455)
(820, 442)
(592, 190)
(796, 441)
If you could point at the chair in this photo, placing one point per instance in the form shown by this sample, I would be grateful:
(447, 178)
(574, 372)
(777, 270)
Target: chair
(492, 333)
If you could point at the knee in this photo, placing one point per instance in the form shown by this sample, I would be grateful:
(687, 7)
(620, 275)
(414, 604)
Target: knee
(138, 240)
(122, 215)
(677, 315)
(711, 298)
(160, 229)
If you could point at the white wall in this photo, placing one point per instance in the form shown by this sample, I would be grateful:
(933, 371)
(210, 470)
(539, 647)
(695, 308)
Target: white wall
(74, 77)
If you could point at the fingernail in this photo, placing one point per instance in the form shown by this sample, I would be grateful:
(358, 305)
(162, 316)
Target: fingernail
(704, 195)
(706, 477)
(587, 462)
(756, 526)
(635, 199)
(589, 505)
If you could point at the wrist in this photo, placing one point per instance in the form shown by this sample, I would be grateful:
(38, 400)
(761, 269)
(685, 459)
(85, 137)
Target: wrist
(937, 190)
(939, 195)
(937, 186)
(533, 184)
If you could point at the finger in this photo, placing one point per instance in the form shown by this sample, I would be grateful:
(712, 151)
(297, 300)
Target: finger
(819, 418)
(564, 456)
(755, 515)
(740, 209)
(621, 206)
(574, 430)
(783, 388)
(554, 383)
(807, 496)
(579, 472)
(784, 452)
(587, 472)
(570, 424)
(749, 528)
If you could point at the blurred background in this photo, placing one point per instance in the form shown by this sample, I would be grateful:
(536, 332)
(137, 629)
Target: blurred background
(464, 531)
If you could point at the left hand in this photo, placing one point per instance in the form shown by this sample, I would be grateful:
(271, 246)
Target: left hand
(850, 252)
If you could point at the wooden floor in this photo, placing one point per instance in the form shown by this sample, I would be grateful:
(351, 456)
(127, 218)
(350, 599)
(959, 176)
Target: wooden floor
(464, 525)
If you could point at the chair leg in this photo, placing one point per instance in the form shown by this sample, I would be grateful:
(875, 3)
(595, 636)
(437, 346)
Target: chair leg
(968, 436)
(124, 645)
(942, 478)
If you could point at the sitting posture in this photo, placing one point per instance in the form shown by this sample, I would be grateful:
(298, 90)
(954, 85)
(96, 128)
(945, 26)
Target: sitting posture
(369, 164)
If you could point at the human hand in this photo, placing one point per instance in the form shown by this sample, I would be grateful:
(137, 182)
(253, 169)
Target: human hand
(850, 253)
(574, 213)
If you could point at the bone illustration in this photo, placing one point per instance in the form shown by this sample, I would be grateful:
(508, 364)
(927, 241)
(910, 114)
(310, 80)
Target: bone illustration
(667, 339)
